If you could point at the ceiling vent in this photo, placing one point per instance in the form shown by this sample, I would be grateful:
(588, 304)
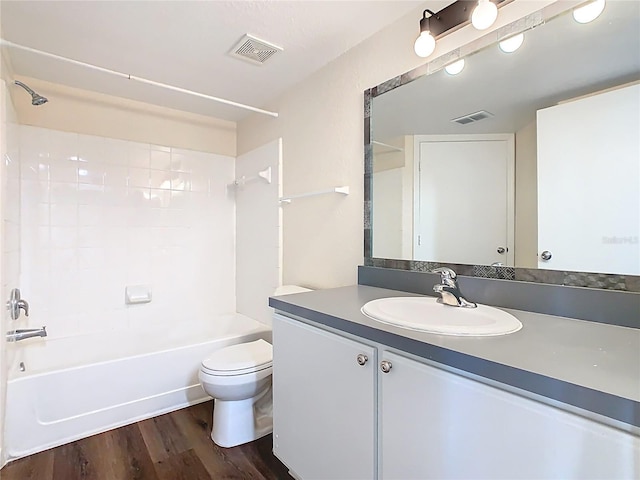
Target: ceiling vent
(254, 50)
(472, 117)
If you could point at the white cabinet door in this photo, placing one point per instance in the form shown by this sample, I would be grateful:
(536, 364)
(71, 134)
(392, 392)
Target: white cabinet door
(435, 424)
(323, 403)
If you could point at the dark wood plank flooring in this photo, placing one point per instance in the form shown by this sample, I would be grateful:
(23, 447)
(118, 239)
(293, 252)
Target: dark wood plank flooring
(175, 446)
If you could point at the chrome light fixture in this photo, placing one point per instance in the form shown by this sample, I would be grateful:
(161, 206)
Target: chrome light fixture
(425, 44)
(484, 15)
(452, 17)
(588, 12)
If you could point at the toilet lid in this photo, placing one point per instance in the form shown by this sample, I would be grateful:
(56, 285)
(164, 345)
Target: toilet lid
(240, 358)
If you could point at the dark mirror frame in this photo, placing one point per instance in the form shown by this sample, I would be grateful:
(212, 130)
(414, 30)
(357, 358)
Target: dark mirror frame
(597, 280)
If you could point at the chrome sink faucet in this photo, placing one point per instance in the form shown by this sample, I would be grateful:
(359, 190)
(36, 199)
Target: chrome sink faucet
(449, 290)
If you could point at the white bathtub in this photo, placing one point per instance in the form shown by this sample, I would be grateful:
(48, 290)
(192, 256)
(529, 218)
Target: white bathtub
(78, 386)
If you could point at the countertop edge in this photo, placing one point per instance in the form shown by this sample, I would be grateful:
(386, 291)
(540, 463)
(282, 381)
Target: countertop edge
(608, 405)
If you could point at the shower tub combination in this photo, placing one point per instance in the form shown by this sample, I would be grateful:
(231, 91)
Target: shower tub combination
(55, 401)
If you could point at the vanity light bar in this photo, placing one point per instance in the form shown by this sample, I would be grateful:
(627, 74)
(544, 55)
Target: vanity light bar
(456, 15)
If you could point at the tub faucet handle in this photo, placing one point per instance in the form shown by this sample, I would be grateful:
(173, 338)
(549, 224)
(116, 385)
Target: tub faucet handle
(16, 303)
(24, 305)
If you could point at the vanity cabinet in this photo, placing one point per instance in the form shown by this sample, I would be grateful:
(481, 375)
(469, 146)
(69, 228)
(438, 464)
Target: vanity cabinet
(437, 424)
(399, 418)
(323, 407)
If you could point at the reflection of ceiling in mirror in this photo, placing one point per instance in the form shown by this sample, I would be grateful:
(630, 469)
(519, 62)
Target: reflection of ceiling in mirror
(559, 60)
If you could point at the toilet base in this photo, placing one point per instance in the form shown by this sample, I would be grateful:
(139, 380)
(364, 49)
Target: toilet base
(236, 422)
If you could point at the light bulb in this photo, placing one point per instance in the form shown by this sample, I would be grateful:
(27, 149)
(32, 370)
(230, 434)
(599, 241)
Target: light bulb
(512, 44)
(425, 44)
(484, 15)
(589, 12)
(455, 67)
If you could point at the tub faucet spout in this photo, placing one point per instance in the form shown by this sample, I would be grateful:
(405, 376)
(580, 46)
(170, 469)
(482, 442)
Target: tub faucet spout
(449, 290)
(21, 334)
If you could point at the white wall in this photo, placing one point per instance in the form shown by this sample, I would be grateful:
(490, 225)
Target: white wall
(154, 208)
(10, 192)
(9, 231)
(526, 221)
(321, 123)
(9, 238)
(75, 232)
(387, 197)
(392, 198)
(99, 214)
(407, 198)
(80, 111)
(258, 231)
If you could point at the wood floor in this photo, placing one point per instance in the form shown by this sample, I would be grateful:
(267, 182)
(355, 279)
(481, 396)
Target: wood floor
(175, 446)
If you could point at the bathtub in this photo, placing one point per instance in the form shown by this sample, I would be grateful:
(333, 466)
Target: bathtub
(78, 386)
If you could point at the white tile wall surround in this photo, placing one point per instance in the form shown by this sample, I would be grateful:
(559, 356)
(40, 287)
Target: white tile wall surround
(10, 232)
(99, 214)
(258, 231)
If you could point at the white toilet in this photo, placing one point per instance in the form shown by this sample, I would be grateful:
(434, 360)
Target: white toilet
(238, 377)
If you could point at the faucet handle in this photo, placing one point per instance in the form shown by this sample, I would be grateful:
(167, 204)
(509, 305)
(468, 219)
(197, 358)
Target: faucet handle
(24, 305)
(16, 303)
(445, 272)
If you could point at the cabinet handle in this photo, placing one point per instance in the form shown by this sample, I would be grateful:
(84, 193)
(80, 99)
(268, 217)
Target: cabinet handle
(385, 366)
(361, 359)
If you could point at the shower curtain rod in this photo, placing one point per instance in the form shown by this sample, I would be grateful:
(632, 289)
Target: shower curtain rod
(137, 79)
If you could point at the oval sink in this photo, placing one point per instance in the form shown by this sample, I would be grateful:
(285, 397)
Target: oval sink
(425, 314)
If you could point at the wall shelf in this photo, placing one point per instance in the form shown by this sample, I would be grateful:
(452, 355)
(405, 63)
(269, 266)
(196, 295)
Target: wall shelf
(264, 175)
(341, 190)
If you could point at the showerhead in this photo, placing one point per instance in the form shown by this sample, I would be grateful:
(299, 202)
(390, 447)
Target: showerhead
(38, 100)
(35, 98)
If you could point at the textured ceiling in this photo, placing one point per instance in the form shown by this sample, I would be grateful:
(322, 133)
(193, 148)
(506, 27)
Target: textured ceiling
(186, 44)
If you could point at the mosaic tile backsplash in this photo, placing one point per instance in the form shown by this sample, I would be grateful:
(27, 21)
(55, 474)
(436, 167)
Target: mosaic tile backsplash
(629, 283)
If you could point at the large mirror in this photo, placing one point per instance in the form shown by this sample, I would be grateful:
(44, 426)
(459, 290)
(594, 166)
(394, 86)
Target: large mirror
(528, 159)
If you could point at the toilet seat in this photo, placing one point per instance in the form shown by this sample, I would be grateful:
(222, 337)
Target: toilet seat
(239, 359)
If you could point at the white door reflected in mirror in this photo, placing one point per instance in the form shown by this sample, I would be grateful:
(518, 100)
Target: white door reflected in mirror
(481, 166)
(568, 202)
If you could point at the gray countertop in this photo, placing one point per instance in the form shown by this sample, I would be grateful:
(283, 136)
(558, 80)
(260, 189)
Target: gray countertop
(591, 366)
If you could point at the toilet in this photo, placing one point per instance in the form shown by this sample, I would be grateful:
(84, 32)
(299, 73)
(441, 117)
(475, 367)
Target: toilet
(238, 377)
